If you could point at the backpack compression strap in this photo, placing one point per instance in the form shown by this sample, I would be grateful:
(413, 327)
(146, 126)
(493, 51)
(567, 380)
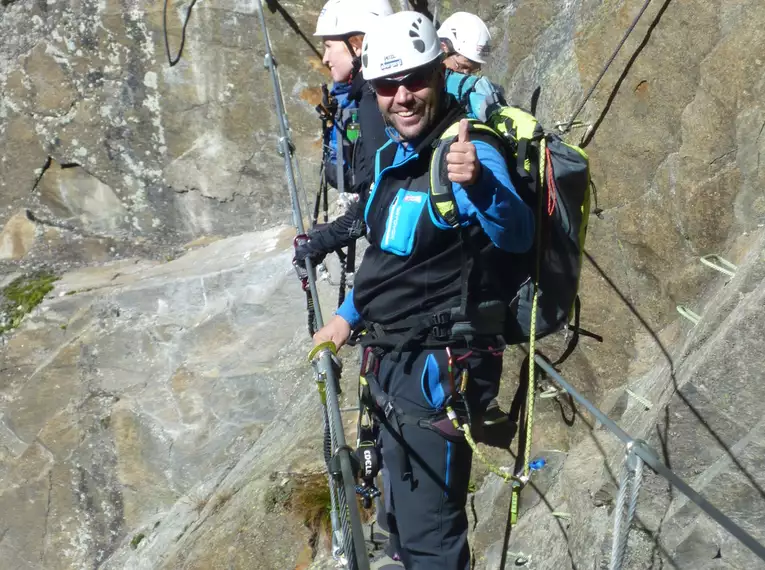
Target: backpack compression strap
(441, 193)
(520, 127)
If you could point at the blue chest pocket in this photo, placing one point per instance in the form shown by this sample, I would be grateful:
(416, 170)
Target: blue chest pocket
(403, 215)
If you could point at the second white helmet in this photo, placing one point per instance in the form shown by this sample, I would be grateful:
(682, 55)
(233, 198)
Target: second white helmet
(340, 18)
(397, 44)
(468, 35)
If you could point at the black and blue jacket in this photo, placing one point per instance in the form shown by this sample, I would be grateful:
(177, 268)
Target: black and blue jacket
(414, 262)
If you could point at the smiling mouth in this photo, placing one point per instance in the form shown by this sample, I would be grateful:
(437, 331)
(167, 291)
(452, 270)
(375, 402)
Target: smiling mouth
(405, 114)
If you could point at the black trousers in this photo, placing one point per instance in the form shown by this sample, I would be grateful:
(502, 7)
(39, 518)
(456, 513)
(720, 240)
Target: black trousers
(426, 508)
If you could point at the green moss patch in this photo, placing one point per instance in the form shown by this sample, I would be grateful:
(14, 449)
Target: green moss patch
(21, 296)
(307, 497)
(310, 500)
(137, 540)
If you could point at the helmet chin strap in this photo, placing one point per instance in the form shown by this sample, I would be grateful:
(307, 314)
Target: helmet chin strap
(356, 59)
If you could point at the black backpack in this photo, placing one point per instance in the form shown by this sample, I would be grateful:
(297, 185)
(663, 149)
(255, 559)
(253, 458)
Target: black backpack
(552, 177)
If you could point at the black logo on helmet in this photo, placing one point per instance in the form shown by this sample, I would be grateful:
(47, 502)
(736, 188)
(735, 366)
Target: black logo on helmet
(417, 43)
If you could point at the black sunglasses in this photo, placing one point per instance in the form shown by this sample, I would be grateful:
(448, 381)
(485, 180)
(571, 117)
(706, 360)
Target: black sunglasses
(414, 81)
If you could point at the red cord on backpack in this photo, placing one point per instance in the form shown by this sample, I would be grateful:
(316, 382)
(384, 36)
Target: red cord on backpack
(552, 189)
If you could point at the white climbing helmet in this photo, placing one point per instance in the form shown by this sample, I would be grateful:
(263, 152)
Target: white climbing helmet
(347, 17)
(468, 35)
(399, 43)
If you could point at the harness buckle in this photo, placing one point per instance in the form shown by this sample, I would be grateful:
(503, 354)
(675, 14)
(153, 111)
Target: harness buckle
(388, 409)
(440, 328)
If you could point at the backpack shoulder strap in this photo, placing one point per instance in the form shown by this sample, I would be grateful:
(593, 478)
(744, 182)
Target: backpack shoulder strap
(441, 194)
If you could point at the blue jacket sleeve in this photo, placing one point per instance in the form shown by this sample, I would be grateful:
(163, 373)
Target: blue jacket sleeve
(494, 203)
(348, 311)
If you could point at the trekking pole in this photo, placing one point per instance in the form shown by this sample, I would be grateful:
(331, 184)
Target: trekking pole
(346, 512)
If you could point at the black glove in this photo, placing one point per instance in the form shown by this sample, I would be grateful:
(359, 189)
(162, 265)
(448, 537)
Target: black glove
(324, 239)
(308, 249)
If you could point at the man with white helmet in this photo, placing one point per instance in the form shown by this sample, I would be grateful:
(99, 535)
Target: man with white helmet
(338, 23)
(426, 291)
(465, 40)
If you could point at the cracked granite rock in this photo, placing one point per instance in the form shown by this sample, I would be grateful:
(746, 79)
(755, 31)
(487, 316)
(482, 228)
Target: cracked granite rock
(149, 404)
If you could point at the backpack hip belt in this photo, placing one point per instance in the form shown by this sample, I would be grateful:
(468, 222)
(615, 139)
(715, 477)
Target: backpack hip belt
(439, 329)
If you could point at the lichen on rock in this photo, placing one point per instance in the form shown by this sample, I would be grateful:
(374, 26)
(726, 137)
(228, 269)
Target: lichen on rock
(21, 296)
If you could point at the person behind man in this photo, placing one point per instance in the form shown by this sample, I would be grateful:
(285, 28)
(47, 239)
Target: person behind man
(342, 25)
(412, 276)
(466, 41)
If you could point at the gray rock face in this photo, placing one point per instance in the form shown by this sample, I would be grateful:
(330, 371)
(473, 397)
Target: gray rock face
(169, 153)
(674, 137)
(140, 386)
(148, 409)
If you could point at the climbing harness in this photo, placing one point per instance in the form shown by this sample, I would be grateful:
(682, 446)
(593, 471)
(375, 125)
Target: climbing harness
(518, 480)
(348, 541)
(452, 421)
(170, 59)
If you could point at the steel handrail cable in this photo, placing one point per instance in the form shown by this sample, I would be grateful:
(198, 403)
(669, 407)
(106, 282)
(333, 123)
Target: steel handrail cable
(651, 458)
(323, 355)
(606, 66)
(624, 513)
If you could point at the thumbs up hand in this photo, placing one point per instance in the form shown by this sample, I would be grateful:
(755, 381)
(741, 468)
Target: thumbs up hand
(461, 160)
